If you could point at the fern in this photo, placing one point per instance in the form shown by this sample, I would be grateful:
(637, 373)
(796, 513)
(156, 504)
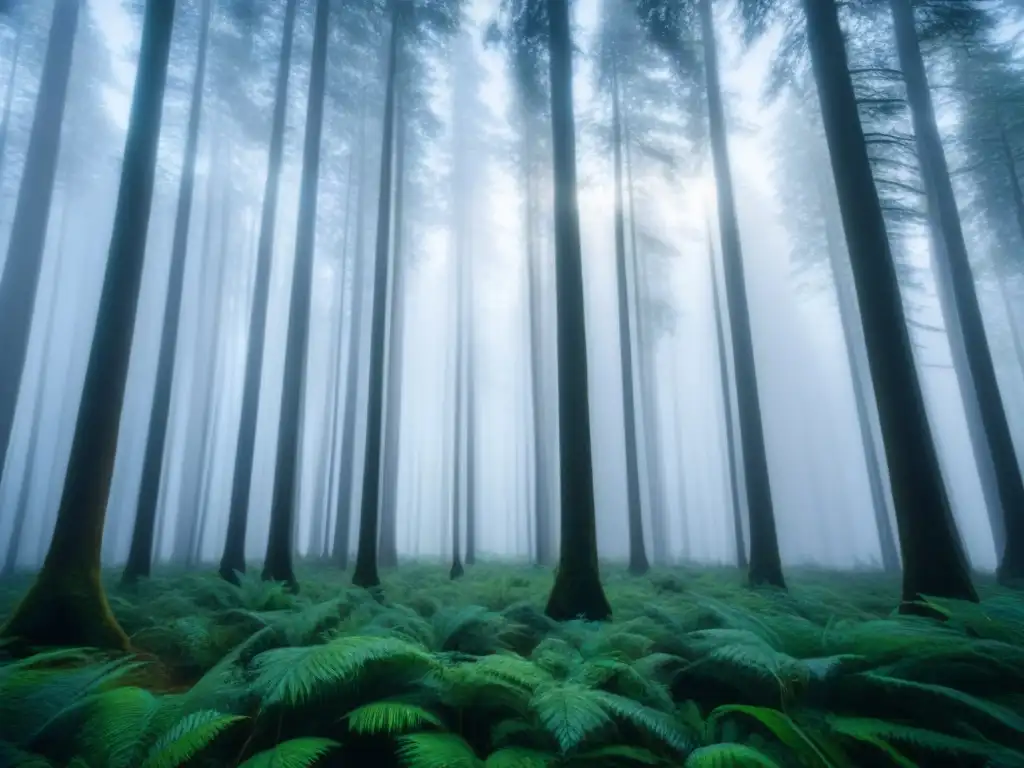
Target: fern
(784, 729)
(297, 753)
(729, 756)
(437, 750)
(616, 756)
(518, 757)
(880, 732)
(187, 738)
(390, 717)
(570, 713)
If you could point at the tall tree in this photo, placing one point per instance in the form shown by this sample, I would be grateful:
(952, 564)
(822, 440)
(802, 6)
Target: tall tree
(19, 280)
(365, 574)
(140, 553)
(933, 560)
(233, 559)
(953, 260)
(5, 121)
(577, 590)
(278, 563)
(66, 604)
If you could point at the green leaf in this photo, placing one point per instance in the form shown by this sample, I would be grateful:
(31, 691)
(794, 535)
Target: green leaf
(729, 756)
(297, 753)
(519, 757)
(617, 756)
(569, 713)
(390, 717)
(437, 750)
(785, 730)
(187, 738)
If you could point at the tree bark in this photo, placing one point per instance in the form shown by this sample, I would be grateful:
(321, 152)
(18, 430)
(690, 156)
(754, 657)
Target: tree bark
(278, 563)
(5, 121)
(933, 561)
(19, 281)
(765, 565)
(577, 591)
(365, 574)
(67, 605)
(233, 559)
(140, 552)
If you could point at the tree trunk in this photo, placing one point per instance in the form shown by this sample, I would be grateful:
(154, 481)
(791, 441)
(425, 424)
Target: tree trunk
(346, 471)
(19, 280)
(388, 545)
(140, 552)
(848, 319)
(730, 439)
(933, 561)
(765, 563)
(577, 591)
(278, 563)
(233, 559)
(67, 605)
(365, 574)
(24, 492)
(638, 563)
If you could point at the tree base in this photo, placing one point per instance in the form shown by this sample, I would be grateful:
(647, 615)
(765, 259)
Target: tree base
(230, 572)
(578, 595)
(456, 571)
(70, 610)
(283, 575)
(365, 578)
(765, 577)
(1010, 573)
(638, 566)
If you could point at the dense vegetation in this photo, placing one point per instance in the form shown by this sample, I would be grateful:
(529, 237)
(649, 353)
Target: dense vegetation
(698, 671)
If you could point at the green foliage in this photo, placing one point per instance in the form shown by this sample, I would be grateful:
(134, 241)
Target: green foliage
(707, 674)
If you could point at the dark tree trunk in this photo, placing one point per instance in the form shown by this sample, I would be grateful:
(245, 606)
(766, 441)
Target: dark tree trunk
(140, 552)
(365, 574)
(848, 318)
(233, 559)
(67, 605)
(962, 295)
(765, 564)
(278, 564)
(5, 121)
(638, 563)
(388, 546)
(21, 507)
(19, 280)
(933, 561)
(730, 439)
(577, 591)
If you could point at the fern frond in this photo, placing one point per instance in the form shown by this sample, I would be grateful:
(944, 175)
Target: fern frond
(515, 669)
(729, 756)
(570, 713)
(437, 750)
(15, 757)
(616, 756)
(880, 732)
(297, 753)
(518, 757)
(187, 738)
(784, 729)
(656, 724)
(293, 676)
(390, 717)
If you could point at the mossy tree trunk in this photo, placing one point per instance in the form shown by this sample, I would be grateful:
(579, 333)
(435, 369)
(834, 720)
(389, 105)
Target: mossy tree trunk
(577, 590)
(67, 605)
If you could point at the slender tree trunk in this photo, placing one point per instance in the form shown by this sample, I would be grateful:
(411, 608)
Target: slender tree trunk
(67, 605)
(140, 552)
(233, 559)
(19, 280)
(544, 546)
(388, 546)
(933, 560)
(346, 472)
(997, 456)
(365, 574)
(278, 563)
(765, 563)
(49, 331)
(848, 319)
(730, 439)
(458, 407)
(577, 590)
(638, 563)
(5, 121)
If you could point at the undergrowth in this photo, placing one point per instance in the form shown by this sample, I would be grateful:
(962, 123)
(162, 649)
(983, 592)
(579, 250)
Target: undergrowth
(695, 671)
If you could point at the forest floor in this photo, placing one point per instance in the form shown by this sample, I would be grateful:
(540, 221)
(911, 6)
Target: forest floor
(695, 670)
